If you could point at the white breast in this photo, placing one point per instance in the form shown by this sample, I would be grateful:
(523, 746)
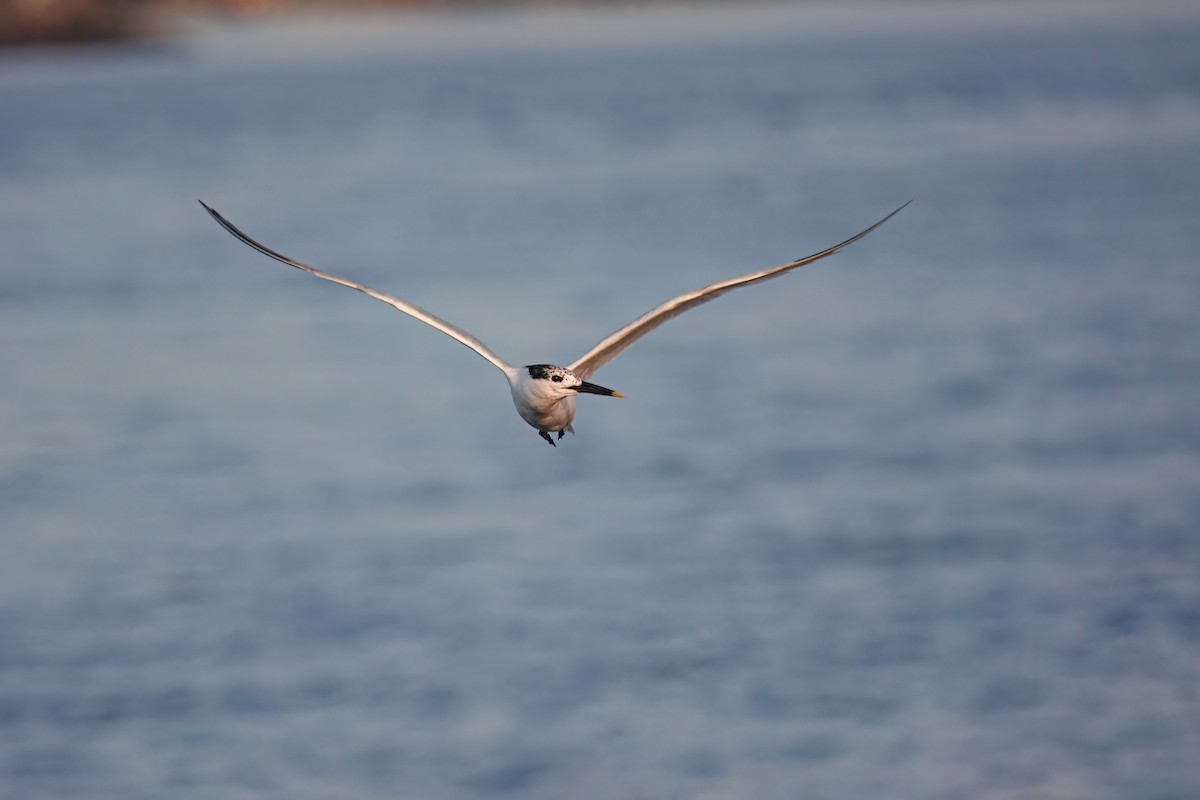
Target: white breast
(541, 403)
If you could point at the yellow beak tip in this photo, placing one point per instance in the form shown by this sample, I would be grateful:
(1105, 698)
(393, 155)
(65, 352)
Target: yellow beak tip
(617, 394)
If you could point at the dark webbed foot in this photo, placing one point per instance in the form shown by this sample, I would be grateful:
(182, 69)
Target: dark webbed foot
(561, 434)
(545, 435)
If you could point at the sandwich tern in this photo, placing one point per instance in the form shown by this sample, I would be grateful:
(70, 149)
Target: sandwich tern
(544, 394)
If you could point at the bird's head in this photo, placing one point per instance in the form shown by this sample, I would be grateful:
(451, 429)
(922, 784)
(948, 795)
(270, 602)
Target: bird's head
(559, 382)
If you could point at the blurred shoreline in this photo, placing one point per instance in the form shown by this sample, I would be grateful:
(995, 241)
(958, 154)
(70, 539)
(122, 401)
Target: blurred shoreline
(34, 22)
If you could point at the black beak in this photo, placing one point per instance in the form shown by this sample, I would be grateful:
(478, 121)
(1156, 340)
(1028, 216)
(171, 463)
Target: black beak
(591, 388)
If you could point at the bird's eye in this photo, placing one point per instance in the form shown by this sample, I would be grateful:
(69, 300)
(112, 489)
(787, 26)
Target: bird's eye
(556, 378)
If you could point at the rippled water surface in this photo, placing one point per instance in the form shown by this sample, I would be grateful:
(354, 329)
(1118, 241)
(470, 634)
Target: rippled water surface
(922, 521)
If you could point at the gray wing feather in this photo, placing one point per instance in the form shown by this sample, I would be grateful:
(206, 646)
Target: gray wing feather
(616, 342)
(412, 310)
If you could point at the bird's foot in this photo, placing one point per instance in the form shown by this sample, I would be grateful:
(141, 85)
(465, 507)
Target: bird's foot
(545, 435)
(561, 434)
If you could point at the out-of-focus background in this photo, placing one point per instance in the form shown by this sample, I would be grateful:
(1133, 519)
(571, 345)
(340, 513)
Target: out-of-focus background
(922, 521)
(76, 21)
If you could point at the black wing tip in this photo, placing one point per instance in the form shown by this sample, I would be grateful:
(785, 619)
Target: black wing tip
(871, 229)
(830, 251)
(211, 211)
(227, 225)
(231, 228)
(899, 208)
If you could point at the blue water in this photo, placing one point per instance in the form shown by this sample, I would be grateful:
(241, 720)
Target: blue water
(922, 521)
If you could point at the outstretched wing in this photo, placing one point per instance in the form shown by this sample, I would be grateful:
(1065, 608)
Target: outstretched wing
(608, 349)
(395, 302)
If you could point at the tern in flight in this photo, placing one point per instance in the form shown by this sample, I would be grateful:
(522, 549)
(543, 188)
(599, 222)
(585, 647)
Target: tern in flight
(544, 394)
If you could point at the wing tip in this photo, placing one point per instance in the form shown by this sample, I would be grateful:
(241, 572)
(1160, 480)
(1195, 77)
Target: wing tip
(212, 212)
(899, 208)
